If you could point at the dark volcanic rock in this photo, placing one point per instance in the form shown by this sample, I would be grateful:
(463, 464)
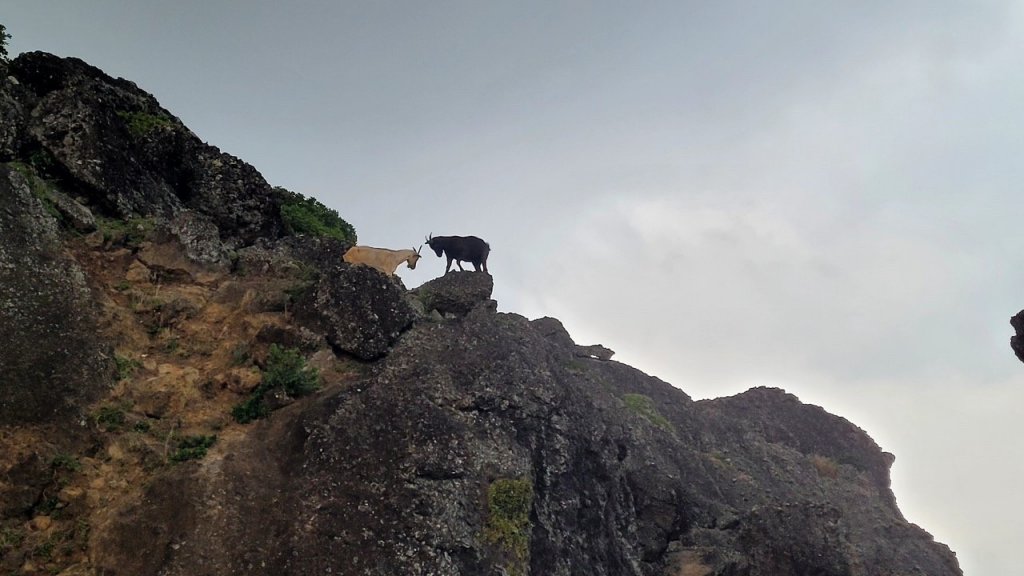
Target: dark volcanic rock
(455, 293)
(51, 361)
(1017, 340)
(392, 476)
(76, 121)
(186, 245)
(360, 310)
(291, 256)
(553, 330)
(782, 419)
(13, 119)
(113, 142)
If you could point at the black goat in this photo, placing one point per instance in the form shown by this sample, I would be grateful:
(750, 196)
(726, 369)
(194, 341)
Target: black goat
(461, 249)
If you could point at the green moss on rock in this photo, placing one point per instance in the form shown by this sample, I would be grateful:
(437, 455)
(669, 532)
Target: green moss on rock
(508, 520)
(644, 406)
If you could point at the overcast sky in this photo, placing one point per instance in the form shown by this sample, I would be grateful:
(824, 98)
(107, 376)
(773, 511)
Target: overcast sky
(821, 196)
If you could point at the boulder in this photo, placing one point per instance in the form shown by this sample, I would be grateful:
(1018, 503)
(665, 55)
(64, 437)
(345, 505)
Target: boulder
(455, 293)
(291, 256)
(553, 330)
(361, 311)
(77, 216)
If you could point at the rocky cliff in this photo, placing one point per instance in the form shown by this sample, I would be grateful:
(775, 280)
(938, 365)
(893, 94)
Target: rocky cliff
(152, 288)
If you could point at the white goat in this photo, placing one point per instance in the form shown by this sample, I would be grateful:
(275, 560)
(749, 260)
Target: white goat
(382, 259)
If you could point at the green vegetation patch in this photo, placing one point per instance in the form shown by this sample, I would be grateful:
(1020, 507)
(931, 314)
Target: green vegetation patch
(644, 406)
(11, 538)
(193, 447)
(241, 355)
(131, 232)
(302, 215)
(508, 521)
(286, 370)
(110, 418)
(251, 409)
(143, 123)
(65, 462)
(126, 367)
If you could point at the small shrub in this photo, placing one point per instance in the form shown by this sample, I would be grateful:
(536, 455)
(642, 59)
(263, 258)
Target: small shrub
(65, 462)
(826, 467)
(45, 550)
(508, 521)
(298, 290)
(4, 37)
(110, 418)
(46, 506)
(644, 406)
(240, 355)
(172, 345)
(252, 409)
(302, 215)
(126, 367)
(142, 123)
(42, 161)
(193, 447)
(11, 538)
(286, 370)
(131, 232)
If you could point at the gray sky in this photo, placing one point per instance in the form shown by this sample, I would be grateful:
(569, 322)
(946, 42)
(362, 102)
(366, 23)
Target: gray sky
(821, 196)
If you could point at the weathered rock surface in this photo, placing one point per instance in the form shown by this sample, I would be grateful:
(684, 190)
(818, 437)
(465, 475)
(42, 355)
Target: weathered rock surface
(51, 360)
(291, 256)
(391, 477)
(455, 293)
(360, 310)
(112, 142)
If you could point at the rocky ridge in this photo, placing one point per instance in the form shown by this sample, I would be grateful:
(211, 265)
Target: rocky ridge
(144, 277)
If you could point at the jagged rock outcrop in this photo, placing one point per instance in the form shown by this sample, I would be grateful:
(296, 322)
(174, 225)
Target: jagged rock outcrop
(626, 475)
(113, 143)
(1017, 340)
(360, 310)
(51, 360)
(454, 294)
